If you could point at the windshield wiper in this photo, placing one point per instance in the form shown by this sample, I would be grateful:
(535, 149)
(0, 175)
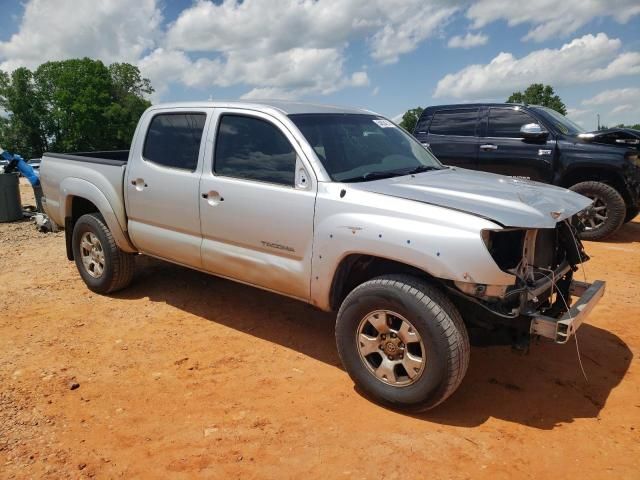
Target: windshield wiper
(377, 175)
(372, 176)
(422, 168)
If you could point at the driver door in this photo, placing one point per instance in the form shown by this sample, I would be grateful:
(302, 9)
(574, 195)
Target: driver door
(503, 150)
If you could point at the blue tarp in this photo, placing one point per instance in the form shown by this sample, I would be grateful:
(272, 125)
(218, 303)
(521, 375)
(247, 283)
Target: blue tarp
(25, 169)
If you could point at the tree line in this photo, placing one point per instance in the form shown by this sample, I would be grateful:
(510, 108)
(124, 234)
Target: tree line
(70, 106)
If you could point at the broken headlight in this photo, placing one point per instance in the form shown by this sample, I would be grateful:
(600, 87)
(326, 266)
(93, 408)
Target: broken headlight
(505, 246)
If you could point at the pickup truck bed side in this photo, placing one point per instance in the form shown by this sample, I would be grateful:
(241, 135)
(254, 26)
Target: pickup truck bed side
(82, 181)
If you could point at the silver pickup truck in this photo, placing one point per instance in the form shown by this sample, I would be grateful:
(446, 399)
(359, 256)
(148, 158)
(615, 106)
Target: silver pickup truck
(342, 209)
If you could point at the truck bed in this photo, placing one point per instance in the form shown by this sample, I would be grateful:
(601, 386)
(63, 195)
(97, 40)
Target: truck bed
(97, 175)
(106, 157)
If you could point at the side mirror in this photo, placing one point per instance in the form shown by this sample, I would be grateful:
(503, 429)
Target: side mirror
(533, 131)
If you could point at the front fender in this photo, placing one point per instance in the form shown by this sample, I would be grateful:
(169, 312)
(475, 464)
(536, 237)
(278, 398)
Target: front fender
(443, 243)
(72, 187)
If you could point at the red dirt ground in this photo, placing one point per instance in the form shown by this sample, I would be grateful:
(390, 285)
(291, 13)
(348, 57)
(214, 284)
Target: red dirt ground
(185, 375)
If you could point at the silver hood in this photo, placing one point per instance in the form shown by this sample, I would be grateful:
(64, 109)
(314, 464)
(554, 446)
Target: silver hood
(511, 202)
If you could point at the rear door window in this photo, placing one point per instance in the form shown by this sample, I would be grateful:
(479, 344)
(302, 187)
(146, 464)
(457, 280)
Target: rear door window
(507, 122)
(460, 122)
(173, 140)
(253, 149)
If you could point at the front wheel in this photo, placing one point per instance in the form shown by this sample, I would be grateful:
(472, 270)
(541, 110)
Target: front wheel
(101, 264)
(402, 342)
(606, 215)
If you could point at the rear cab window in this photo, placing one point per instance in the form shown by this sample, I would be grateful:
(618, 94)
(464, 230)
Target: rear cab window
(458, 122)
(173, 140)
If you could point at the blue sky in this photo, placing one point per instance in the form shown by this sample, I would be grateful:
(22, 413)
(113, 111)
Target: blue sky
(386, 55)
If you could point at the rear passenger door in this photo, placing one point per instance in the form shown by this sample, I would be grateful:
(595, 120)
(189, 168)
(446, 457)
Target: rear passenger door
(504, 150)
(163, 177)
(452, 136)
(257, 204)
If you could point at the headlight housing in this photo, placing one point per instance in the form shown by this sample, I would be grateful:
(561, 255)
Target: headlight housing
(505, 246)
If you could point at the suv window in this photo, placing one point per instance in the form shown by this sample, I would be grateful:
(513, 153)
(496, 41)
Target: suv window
(253, 149)
(506, 122)
(173, 140)
(461, 122)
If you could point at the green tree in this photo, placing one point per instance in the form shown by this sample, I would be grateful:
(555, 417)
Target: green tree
(129, 90)
(410, 119)
(22, 131)
(71, 105)
(635, 126)
(76, 94)
(539, 94)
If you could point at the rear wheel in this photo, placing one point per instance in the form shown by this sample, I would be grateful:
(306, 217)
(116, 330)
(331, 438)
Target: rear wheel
(607, 213)
(102, 265)
(402, 342)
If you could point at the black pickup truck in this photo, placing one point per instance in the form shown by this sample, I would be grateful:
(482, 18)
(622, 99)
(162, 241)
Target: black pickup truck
(538, 143)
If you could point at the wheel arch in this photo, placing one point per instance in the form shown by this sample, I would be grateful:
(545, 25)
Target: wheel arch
(357, 268)
(81, 197)
(608, 176)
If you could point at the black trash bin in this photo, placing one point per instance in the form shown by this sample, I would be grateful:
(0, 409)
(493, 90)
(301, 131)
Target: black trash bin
(10, 204)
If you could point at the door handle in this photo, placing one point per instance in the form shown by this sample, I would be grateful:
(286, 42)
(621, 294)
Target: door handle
(488, 146)
(139, 183)
(212, 197)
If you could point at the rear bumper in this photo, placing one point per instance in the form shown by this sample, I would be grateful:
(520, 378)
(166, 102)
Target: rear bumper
(561, 329)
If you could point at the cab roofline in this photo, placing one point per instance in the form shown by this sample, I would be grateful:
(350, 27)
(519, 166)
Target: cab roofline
(282, 106)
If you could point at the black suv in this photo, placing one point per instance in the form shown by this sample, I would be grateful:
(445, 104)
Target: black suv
(538, 143)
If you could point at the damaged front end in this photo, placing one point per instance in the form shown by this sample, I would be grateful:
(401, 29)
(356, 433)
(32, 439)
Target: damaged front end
(543, 262)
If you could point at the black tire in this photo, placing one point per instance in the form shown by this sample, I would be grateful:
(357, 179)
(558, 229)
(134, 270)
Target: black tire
(615, 210)
(437, 321)
(632, 212)
(118, 265)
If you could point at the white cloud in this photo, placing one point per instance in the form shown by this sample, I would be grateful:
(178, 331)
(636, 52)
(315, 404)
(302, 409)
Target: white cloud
(290, 74)
(112, 31)
(550, 18)
(622, 108)
(468, 41)
(304, 50)
(577, 112)
(406, 25)
(586, 59)
(615, 96)
(291, 48)
(392, 27)
(615, 106)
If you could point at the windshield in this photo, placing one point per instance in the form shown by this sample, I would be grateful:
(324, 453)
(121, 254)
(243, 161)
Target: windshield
(561, 122)
(358, 147)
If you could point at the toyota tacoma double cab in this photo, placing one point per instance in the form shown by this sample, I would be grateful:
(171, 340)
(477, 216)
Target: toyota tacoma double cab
(341, 209)
(538, 143)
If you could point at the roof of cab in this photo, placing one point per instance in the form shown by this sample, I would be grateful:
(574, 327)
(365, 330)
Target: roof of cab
(476, 105)
(283, 106)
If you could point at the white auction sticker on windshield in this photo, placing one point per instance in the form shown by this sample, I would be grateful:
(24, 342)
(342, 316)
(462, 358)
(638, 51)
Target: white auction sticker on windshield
(384, 123)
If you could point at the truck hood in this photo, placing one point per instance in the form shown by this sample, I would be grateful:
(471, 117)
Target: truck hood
(511, 202)
(620, 137)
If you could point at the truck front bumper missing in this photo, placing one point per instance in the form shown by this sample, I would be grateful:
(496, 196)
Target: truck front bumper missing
(561, 329)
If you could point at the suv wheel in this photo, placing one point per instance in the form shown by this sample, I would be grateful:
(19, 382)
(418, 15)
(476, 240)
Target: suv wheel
(606, 214)
(402, 342)
(102, 265)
